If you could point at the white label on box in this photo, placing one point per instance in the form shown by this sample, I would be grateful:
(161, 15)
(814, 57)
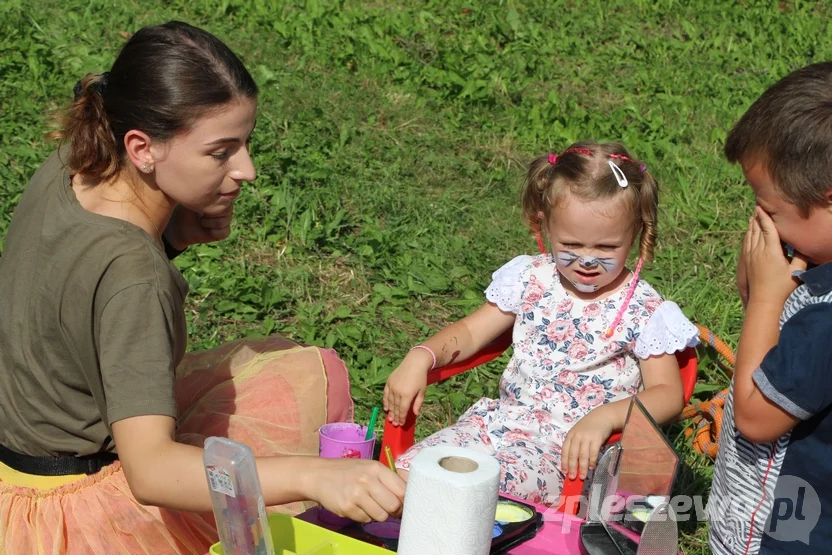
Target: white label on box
(220, 481)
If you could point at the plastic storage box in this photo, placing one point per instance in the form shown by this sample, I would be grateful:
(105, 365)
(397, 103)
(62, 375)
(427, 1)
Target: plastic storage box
(293, 536)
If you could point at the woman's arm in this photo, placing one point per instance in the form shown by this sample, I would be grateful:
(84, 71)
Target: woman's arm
(164, 473)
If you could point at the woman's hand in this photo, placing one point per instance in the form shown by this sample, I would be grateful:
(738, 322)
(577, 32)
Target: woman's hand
(359, 489)
(407, 385)
(187, 227)
(583, 443)
(769, 272)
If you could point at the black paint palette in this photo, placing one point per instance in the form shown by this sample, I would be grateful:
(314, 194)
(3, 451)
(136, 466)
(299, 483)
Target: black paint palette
(515, 523)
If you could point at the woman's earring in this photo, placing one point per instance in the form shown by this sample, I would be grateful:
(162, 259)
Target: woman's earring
(147, 168)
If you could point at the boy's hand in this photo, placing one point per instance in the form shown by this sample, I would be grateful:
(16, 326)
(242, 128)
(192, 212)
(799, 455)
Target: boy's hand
(769, 272)
(742, 278)
(583, 443)
(406, 385)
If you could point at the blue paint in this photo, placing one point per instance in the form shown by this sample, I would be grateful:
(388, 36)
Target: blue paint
(498, 530)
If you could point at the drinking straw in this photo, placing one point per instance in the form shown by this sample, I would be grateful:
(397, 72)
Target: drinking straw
(372, 426)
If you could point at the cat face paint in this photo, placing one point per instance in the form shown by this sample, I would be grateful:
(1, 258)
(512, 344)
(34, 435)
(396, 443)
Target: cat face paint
(588, 269)
(587, 262)
(590, 242)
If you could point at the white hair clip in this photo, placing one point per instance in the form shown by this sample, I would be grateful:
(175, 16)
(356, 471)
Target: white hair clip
(619, 175)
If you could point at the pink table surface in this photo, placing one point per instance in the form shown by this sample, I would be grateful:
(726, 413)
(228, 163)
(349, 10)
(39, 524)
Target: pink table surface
(559, 535)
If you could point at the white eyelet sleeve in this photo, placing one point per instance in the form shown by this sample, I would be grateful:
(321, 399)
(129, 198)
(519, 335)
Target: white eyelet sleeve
(667, 332)
(506, 288)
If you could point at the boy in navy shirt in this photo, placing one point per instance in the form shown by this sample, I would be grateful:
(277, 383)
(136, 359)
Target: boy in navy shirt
(773, 474)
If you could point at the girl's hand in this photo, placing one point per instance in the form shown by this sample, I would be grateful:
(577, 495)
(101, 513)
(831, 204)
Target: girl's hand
(580, 449)
(359, 489)
(406, 386)
(769, 272)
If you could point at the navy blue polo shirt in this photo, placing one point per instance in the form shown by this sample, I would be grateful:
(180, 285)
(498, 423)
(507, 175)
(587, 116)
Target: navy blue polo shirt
(767, 496)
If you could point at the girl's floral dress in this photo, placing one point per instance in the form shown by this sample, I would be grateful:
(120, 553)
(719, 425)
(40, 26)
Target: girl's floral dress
(562, 367)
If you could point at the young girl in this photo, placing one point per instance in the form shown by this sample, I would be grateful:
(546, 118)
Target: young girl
(102, 414)
(588, 333)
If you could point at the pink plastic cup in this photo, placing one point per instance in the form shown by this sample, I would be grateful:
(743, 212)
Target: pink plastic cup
(343, 440)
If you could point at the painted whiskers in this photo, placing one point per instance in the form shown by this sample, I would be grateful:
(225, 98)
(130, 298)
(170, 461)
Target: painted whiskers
(567, 258)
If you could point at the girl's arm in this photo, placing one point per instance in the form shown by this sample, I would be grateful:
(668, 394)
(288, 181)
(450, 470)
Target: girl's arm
(663, 397)
(164, 473)
(407, 384)
(466, 337)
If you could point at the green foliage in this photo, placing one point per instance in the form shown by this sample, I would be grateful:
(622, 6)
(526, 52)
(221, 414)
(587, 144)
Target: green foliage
(391, 142)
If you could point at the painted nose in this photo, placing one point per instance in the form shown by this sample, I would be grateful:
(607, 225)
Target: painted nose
(588, 262)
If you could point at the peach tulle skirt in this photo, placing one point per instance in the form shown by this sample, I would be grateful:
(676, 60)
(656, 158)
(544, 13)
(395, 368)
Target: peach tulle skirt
(271, 394)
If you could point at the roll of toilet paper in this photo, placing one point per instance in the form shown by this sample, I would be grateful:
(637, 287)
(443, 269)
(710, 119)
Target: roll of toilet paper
(450, 503)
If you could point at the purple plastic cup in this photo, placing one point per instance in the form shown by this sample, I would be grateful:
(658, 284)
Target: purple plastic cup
(343, 440)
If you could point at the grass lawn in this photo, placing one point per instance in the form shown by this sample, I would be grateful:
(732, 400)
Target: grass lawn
(391, 142)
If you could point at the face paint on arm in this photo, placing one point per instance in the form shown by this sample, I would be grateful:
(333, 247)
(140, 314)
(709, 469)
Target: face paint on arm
(454, 356)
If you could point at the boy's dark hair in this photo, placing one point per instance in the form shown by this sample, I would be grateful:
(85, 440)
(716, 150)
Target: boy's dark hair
(789, 129)
(164, 79)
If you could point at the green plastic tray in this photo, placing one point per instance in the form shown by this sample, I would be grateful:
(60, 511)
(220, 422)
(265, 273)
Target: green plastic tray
(293, 536)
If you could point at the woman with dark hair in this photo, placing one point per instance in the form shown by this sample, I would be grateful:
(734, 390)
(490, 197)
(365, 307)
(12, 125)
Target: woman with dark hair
(102, 415)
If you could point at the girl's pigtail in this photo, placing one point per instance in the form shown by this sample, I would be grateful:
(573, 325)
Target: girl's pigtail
(649, 208)
(535, 192)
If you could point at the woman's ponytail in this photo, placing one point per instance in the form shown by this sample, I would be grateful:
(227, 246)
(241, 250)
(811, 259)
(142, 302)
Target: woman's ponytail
(86, 127)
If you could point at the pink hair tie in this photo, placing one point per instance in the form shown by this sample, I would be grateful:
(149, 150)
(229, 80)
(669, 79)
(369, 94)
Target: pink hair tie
(553, 159)
(642, 167)
(428, 349)
(580, 150)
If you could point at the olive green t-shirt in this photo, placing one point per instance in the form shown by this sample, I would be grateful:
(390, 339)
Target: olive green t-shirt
(92, 323)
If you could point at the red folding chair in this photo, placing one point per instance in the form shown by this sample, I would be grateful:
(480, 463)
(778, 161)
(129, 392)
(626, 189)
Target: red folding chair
(401, 438)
